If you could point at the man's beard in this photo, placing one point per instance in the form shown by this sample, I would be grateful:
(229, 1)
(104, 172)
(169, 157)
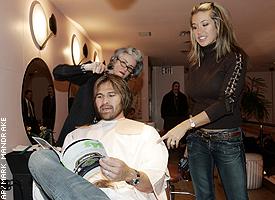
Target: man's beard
(109, 115)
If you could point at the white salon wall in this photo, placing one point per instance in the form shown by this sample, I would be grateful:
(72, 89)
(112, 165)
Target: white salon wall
(17, 50)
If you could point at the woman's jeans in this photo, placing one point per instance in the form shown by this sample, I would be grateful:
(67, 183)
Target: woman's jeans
(58, 182)
(227, 154)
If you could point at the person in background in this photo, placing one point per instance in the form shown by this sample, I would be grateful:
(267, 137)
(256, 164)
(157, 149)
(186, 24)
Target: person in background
(28, 111)
(174, 107)
(48, 109)
(126, 63)
(215, 84)
(128, 171)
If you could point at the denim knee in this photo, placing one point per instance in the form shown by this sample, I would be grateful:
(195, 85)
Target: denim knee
(40, 160)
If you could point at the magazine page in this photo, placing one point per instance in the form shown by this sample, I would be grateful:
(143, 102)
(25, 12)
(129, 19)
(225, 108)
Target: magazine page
(45, 145)
(82, 157)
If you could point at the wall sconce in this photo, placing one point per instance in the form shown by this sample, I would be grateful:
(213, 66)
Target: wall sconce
(85, 52)
(39, 25)
(75, 50)
(96, 58)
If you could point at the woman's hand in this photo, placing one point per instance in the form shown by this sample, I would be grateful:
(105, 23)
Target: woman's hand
(95, 67)
(175, 134)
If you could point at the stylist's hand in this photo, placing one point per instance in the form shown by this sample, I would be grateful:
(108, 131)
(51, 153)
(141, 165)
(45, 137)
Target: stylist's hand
(95, 67)
(175, 134)
(114, 169)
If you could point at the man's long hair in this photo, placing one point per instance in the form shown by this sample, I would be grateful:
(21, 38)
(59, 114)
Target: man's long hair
(120, 86)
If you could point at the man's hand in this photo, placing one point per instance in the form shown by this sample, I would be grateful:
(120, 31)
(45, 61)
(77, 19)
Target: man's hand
(95, 67)
(114, 169)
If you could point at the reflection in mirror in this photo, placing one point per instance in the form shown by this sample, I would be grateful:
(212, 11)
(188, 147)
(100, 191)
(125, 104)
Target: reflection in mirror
(38, 101)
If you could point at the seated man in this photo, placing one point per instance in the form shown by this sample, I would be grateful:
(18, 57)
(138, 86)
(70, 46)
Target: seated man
(135, 166)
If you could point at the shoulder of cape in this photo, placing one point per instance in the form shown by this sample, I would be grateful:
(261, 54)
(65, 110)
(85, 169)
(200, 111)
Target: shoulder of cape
(129, 127)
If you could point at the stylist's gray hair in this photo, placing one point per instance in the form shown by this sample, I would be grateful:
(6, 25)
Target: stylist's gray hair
(133, 52)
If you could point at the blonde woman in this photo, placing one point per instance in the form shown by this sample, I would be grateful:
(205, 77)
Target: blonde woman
(215, 84)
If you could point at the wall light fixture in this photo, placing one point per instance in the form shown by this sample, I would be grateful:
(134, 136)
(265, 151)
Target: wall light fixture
(75, 50)
(85, 53)
(96, 58)
(39, 25)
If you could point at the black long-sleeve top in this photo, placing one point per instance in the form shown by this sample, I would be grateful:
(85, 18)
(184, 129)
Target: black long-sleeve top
(209, 84)
(82, 111)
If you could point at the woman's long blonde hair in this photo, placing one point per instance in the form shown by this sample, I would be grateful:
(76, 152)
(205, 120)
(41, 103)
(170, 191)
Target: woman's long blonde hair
(225, 41)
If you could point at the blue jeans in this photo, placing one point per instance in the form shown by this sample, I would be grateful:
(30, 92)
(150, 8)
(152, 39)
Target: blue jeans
(228, 157)
(58, 182)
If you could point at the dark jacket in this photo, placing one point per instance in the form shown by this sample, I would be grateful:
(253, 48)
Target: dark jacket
(29, 120)
(172, 114)
(82, 111)
(48, 112)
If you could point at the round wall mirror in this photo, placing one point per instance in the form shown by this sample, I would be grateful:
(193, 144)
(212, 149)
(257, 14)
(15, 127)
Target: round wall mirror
(38, 101)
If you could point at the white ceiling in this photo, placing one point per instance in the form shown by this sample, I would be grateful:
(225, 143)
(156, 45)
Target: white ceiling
(116, 23)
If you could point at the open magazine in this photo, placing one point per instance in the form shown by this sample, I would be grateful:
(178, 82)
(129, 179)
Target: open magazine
(81, 157)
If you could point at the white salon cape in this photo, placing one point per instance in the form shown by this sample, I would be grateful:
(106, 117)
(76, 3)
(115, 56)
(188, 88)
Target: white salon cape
(135, 143)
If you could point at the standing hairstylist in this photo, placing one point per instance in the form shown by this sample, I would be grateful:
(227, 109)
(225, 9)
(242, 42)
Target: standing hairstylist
(215, 83)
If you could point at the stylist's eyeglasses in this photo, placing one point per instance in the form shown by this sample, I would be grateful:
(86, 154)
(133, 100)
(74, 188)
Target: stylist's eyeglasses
(129, 68)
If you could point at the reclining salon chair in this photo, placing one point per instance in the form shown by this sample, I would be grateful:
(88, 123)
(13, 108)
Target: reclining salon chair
(178, 172)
